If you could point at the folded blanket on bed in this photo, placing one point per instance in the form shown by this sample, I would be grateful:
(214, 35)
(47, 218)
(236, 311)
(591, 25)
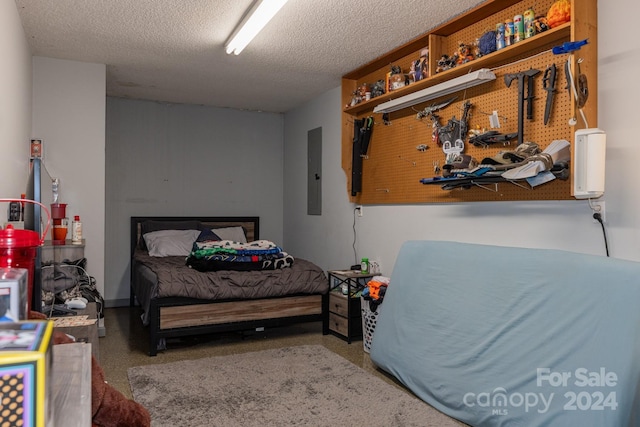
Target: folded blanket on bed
(212, 247)
(216, 255)
(219, 265)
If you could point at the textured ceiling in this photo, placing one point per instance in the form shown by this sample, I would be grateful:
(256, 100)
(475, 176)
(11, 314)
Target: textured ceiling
(173, 50)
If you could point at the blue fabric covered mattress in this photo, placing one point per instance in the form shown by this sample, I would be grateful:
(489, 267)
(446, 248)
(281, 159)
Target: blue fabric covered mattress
(499, 336)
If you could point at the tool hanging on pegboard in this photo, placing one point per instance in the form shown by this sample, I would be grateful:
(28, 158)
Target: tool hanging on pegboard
(362, 129)
(508, 78)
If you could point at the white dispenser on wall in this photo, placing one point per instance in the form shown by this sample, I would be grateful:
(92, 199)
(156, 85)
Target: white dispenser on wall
(588, 163)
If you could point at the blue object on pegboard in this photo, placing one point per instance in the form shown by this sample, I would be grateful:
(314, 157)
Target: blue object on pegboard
(568, 47)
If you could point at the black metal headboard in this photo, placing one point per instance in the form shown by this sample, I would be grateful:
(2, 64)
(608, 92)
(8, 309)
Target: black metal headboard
(250, 224)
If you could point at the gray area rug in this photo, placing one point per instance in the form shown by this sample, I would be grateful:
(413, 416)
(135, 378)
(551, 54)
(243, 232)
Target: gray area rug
(293, 386)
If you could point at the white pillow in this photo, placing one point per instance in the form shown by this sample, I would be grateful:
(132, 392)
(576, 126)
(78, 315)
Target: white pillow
(235, 234)
(170, 242)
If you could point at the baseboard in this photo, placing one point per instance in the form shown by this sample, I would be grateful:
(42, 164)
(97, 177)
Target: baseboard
(116, 303)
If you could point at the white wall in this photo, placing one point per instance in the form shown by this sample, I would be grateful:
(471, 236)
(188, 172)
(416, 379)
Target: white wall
(187, 160)
(568, 225)
(324, 239)
(15, 105)
(69, 116)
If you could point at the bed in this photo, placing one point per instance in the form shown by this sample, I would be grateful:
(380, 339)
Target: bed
(178, 300)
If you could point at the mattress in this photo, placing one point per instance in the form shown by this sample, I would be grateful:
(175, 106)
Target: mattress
(497, 336)
(164, 277)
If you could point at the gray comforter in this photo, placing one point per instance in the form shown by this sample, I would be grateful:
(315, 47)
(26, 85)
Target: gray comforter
(156, 277)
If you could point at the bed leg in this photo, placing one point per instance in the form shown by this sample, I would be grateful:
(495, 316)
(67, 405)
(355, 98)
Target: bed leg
(154, 324)
(153, 348)
(325, 314)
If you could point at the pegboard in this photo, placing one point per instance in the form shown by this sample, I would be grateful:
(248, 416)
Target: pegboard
(394, 166)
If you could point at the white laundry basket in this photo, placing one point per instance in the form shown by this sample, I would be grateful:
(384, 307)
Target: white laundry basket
(369, 319)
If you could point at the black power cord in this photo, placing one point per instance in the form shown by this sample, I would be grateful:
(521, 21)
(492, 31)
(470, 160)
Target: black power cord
(355, 255)
(598, 217)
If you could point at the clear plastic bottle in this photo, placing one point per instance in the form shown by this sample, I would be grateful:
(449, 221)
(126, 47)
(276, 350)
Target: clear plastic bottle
(76, 231)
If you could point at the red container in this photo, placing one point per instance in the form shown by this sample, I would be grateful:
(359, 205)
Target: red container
(18, 250)
(58, 210)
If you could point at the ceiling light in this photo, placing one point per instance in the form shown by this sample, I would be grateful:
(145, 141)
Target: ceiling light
(475, 78)
(254, 21)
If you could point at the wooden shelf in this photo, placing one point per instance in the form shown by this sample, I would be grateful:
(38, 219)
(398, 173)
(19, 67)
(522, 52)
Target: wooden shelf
(476, 14)
(556, 35)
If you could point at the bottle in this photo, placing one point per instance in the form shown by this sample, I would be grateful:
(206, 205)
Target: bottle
(500, 35)
(364, 266)
(508, 32)
(518, 28)
(76, 231)
(529, 23)
(345, 288)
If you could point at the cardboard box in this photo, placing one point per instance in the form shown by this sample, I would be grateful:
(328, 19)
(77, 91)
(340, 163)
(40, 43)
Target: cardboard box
(14, 292)
(25, 373)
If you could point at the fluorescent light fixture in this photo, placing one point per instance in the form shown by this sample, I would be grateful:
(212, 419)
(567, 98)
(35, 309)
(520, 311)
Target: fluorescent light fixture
(474, 78)
(254, 21)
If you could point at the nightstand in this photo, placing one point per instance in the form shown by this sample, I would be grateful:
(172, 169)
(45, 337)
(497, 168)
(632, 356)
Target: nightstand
(343, 318)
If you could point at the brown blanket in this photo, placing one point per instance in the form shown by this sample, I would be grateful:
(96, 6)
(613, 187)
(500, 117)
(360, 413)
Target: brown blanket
(175, 278)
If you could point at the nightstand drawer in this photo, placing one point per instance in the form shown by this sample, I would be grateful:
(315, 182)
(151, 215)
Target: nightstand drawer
(338, 304)
(338, 324)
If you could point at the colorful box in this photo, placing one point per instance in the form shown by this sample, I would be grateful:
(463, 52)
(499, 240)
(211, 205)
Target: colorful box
(25, 373)
(13, 294)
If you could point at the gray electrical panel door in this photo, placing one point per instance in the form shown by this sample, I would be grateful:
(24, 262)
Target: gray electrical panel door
(314, 171)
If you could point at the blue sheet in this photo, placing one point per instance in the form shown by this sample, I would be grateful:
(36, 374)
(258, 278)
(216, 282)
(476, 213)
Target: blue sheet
(498, 336)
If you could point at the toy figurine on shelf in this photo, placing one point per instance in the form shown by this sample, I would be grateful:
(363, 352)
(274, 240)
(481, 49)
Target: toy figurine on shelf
(412, 71)
(362, 91)
(541, 24)
(359, 95)
(420, 67)
(377, 89)
(445, 63)
(397, 78)
(355, 99)
(463, 54)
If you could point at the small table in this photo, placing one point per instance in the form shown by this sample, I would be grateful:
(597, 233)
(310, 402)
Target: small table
(343, 318)
(71, 384)
(85, 333)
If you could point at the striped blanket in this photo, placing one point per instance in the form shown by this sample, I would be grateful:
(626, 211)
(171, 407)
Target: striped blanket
(215, 255)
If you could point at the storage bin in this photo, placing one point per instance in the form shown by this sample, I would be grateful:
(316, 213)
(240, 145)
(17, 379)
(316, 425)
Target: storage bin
(369, 319)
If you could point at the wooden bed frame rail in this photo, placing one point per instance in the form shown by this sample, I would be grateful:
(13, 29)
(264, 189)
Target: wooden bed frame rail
(178, 317)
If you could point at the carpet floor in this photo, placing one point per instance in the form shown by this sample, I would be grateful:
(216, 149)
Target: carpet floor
(293, 386)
